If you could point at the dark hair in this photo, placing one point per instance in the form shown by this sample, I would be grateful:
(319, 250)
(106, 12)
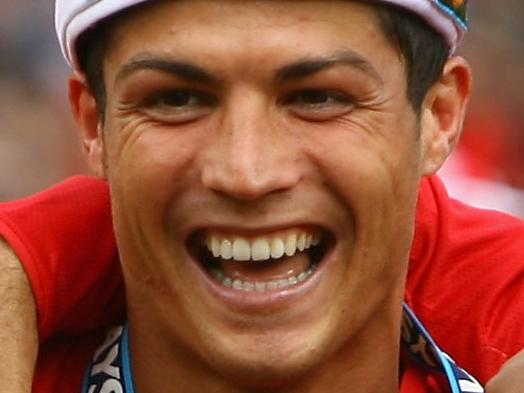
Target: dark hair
(91, 48)
(423, 50)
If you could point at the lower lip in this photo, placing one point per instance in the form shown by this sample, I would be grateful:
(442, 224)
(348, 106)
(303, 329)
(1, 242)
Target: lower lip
(253, 301)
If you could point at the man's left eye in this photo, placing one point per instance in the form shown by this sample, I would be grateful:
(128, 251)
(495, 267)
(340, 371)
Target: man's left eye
(319, 105)
(313, 97)
(317, 97)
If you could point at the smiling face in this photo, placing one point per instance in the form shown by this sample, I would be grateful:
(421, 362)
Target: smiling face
(263, 160)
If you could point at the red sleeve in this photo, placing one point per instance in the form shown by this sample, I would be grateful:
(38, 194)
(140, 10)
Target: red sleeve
(62, 363)
(466, 279)
(64, 238)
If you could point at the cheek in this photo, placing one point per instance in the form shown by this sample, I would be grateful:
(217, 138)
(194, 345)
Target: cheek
(368, 163)
(149, 169)
(150, 158)
(375, 173)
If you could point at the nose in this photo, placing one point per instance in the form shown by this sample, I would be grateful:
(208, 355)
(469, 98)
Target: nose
(250, 156)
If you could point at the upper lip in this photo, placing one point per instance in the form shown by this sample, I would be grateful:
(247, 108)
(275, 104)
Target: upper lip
(252, 230)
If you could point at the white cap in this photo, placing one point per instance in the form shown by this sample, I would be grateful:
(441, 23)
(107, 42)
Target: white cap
(73, 17)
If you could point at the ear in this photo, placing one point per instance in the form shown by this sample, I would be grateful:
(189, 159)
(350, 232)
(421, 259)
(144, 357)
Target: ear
(86, 113)
(443, 112)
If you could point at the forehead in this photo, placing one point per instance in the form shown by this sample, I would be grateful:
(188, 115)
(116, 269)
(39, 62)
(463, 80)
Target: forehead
(256, 11)
(211, 27)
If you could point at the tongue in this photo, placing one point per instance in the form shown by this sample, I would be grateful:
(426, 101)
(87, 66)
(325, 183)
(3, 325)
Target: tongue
(263, 271)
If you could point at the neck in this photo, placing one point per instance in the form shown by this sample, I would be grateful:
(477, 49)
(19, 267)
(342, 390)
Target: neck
(367, 362)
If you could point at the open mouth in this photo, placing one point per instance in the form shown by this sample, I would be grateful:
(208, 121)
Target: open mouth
(260, 263)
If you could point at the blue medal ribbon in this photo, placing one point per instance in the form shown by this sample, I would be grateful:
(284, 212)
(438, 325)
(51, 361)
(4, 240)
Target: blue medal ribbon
(110, 369)
(418, 344)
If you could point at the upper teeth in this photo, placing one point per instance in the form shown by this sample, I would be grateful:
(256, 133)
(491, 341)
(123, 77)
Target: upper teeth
(260, 248)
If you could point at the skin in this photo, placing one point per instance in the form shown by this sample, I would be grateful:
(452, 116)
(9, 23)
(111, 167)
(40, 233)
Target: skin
(510, 378)
(254, 151)
(18, 338)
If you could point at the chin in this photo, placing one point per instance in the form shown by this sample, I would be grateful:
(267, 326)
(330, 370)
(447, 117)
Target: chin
(268, 361)
(260, 373)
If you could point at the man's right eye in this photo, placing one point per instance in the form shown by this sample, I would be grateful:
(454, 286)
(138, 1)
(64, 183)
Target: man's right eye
(178, 105)
(179, 99)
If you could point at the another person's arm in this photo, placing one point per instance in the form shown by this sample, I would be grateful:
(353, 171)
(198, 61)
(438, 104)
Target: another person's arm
(18, 331)
(64, 240)
(59, 275)
(510, 378)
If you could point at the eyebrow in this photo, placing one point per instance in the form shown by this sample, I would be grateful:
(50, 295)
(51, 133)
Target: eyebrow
(182, 69)
(312, 65)
(300, 69)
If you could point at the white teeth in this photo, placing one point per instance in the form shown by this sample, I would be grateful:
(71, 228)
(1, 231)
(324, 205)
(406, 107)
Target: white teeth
(302, 276)
(301, 242)
(226, 249)
(260, 286)
(277, 248)
(260, 248)
(215, 246)
(282, 283)
(237, 284)
(291, 245)
(241, 250)
(227, 282)
(272, 285)
(309, 240)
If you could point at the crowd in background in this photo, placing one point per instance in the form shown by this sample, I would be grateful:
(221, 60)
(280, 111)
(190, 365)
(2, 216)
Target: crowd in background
(39, 145)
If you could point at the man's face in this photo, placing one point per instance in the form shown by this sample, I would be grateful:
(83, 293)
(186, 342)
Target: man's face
(263, 160)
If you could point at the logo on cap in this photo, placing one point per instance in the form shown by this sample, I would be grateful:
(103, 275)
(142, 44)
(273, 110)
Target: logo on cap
(457, 8)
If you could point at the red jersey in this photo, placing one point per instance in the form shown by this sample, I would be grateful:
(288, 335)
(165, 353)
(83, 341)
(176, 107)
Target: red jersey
(465, 279)
(415, 380)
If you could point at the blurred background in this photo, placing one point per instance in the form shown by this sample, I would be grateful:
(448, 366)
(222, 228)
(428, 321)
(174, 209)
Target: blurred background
(39, 145)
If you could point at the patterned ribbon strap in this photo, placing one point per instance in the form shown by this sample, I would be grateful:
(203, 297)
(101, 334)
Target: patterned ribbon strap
(421, 348)
(110, 369)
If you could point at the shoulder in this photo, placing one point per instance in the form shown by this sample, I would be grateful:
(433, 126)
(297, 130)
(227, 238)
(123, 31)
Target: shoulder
(450, 234)
(466, 279)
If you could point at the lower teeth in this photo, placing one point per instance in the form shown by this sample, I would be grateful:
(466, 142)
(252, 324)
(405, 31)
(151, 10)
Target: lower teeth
(260, 286)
